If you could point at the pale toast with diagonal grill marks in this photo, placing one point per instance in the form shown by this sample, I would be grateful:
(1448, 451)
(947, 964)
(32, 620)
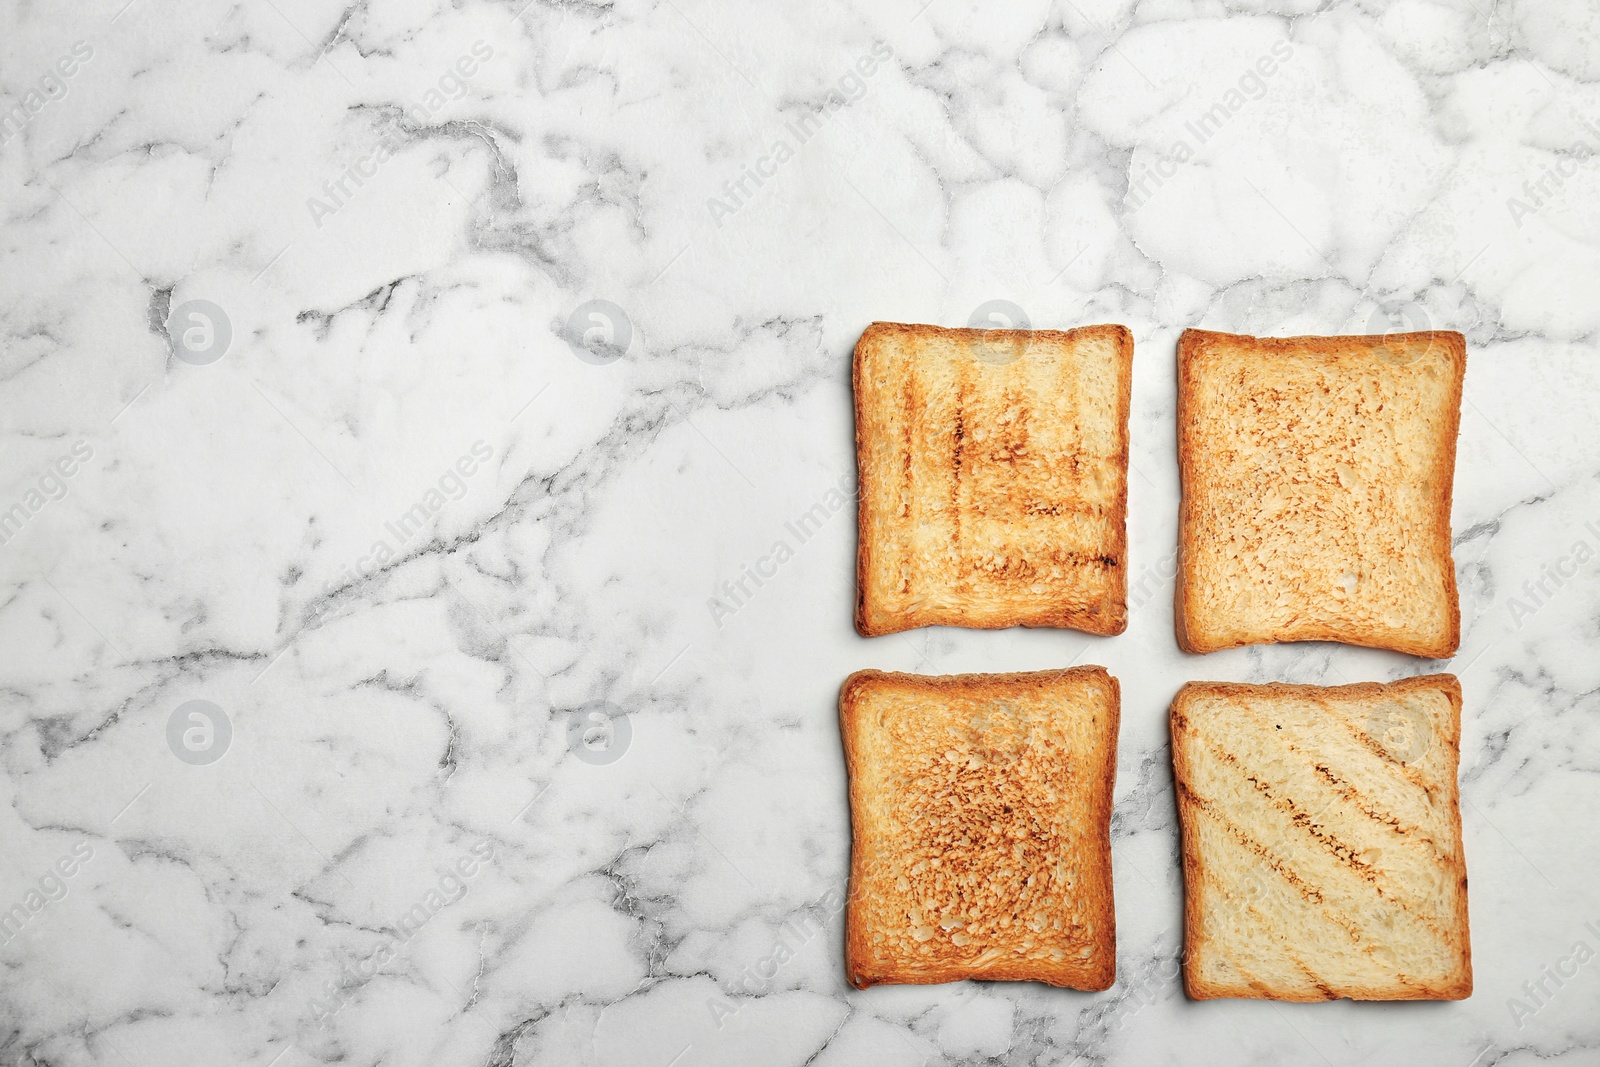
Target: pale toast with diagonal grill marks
(1322, 849)
(993, 473)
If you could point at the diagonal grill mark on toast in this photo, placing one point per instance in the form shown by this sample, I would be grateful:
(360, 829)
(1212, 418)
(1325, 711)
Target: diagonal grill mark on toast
(1367, 947)
(1284, 944)
(1261, 989)
(1302, 819)
(1407, 833)
(1322, 987)
(1414, 910)
(1346, 790)
(1220, 945)
(1406, 771)
(1310, 893)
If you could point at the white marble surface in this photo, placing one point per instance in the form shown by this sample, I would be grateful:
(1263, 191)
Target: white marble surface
(400, 857)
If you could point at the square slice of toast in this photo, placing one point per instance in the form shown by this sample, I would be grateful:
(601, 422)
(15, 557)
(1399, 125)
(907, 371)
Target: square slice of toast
(993, 475)
(980, 806)
(1316, 475)
(1322, 840)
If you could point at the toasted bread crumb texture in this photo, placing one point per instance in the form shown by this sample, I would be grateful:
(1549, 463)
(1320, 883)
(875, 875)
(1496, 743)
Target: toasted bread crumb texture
(1322, 841)
(1317, 479)
(993, 476)
(981, 806)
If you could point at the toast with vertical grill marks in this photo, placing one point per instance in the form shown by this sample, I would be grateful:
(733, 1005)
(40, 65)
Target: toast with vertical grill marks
(1316, 476)
(980, 806)
(993, 475)
(1322, 840)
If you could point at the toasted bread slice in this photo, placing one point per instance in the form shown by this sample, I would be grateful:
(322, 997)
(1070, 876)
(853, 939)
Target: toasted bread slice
(1322, 840)
(981, 811)
(993, 478)
(1316, 476)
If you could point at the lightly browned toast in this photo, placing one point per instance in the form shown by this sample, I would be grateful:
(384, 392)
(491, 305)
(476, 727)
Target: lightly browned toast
(980, 808)
(1316, 477)
(1322, 840)
(993, 475)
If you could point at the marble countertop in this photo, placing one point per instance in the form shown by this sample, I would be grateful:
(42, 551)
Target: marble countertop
(425, 500)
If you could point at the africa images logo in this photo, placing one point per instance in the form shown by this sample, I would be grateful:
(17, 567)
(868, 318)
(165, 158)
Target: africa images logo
(199, 732)
(598, 332)
(599, 733)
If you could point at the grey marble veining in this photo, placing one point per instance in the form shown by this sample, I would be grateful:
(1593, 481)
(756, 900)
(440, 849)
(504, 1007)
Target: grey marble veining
(425, 535)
